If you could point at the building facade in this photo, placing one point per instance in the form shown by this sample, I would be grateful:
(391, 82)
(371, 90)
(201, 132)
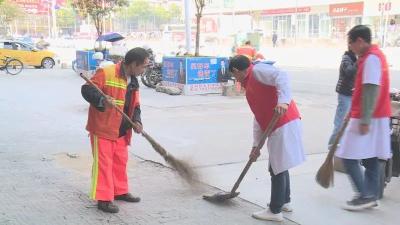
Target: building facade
(307, 18)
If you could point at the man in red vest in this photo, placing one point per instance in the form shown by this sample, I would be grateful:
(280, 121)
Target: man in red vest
(367, 136)
(268, 92)
(110, 134)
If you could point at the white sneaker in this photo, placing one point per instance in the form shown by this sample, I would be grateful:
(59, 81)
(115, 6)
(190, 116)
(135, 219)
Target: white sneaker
(266, 214)
(287, 208)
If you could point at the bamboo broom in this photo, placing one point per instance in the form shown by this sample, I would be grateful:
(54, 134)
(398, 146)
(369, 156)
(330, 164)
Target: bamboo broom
(325, 174)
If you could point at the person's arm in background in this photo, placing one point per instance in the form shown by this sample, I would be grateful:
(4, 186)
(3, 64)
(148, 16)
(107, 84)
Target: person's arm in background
(348, 66)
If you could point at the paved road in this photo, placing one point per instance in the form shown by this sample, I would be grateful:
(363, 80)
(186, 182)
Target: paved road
(43, 116)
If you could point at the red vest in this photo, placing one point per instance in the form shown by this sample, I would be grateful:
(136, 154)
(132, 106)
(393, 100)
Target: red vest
(382, 108)
(106, 124)
(263, 99)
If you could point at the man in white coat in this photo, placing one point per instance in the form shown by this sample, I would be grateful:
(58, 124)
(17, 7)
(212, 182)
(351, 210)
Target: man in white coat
(367, 136)
(268, 92)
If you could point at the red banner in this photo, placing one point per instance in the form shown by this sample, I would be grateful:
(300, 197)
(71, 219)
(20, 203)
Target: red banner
(348, 9)
(286, 11)
(38, 6)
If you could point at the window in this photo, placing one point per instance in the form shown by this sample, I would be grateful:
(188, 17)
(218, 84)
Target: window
(267, 25)
(24, 47)
(325, 25)
(283, 26)
(313, 25)
(301, 26)
(8, 45)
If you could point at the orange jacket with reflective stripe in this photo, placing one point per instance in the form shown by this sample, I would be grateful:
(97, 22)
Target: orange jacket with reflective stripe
(106, 124)
(247, 50)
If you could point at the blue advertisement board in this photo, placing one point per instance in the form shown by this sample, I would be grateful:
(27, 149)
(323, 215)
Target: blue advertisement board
(195, 70)
(174, 69)
(206, 70)
(195, 75)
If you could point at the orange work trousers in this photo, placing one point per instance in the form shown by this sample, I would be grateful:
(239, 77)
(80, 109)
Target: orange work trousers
(109, 176)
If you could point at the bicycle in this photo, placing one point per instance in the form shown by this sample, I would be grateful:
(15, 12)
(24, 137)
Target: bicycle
(11, 66)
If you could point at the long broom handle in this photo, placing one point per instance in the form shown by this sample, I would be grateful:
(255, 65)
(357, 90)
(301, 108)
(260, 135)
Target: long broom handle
(336, 141)
(144, 134)
(266, 133)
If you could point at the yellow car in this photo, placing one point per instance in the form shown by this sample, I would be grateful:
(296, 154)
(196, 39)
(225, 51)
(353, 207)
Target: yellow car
(29, 55)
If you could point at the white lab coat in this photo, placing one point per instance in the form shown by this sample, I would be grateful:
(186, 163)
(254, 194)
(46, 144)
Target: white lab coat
(285, 145)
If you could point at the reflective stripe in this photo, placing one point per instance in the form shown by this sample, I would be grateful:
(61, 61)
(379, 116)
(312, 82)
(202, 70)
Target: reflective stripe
(119, 102)
(116, 84)
(95, 167)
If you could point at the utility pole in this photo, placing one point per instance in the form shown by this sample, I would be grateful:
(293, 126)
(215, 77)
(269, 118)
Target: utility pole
(188, 23)
(54, 19)
(48, 18)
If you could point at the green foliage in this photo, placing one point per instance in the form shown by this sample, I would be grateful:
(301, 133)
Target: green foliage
(66, 16)
(9, 11)
(97, 10)
(144, 12)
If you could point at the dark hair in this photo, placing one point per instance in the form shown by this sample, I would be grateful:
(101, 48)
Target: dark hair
(239, 62)
(248, 43)
(360, 31)
(352, 55)
(137, 55)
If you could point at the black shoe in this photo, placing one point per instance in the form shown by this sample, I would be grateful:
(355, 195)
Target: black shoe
(128, 197)
(107, 206)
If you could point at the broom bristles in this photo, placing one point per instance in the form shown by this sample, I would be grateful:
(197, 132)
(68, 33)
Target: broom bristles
(325, 175)
(183, 168)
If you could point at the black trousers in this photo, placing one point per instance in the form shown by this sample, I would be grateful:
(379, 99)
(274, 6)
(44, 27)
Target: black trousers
(280, 190)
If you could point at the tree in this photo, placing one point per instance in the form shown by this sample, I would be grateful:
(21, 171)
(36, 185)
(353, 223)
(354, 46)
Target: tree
(200, 4)
(97, 10)
(140, 11)
(9, 12)
(66, 16)
(144, 13)
(175, 12)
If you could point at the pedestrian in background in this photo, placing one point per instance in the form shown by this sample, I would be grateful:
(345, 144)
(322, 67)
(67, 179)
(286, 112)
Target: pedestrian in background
(274, 39)
(344, 88)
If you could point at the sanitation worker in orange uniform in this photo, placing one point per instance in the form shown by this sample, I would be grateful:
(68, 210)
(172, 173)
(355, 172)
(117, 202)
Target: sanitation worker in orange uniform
(110, 134)
(247, 50)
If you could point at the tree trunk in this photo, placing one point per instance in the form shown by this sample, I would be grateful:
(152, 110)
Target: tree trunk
(198, 17)
(99, 28)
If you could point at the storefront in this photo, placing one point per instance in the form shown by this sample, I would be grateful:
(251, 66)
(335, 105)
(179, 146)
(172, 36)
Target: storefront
(297, 22)
(283, 21)
(344, 17)
(384, 18)
(303, 19)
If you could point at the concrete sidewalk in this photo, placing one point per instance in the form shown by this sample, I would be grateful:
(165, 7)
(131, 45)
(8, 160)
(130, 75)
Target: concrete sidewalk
(52, 189)
(312, 204)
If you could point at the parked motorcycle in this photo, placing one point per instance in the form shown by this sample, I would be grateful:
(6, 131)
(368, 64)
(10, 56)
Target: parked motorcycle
(153, 74)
